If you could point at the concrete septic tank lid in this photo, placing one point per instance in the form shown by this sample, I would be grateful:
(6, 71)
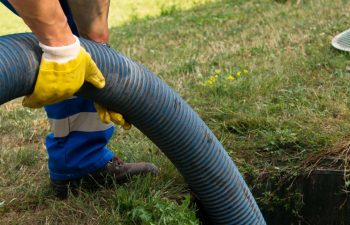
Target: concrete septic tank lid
(342, 41)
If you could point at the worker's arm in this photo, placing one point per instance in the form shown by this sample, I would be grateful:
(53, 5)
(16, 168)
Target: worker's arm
(91, 18)
(46, 20)
(65, 65)
(57, 79)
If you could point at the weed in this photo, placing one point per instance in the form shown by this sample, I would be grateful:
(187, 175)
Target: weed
(220, 83)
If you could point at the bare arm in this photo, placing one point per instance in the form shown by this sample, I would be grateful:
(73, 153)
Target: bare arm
(46, 19)
(65, 65)
(91, 18)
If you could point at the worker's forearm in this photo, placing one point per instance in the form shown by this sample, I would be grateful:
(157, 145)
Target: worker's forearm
(46, 19)
(91, 18)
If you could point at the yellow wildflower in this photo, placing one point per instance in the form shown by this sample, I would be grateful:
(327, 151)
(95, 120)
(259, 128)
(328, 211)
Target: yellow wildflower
(217, 71)
(209, 82)
(230, 77)
(212, 78)
(238, 73)
(245, 71)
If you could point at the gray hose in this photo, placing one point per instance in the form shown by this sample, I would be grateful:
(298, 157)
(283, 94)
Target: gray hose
(155, 109)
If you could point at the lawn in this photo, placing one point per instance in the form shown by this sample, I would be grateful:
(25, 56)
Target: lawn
(261, 73)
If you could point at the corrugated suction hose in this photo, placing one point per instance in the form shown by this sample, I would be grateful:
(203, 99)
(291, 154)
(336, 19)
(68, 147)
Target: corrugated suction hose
(155, 109)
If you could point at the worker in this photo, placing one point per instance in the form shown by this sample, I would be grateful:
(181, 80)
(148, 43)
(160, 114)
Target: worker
(77, 144)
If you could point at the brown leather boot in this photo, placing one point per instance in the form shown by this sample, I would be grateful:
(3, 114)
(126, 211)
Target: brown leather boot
(114, 172)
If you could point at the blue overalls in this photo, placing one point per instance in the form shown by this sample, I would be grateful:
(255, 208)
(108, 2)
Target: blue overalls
(77, 144)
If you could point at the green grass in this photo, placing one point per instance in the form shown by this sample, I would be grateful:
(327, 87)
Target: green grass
(121, 12)
(291, 104)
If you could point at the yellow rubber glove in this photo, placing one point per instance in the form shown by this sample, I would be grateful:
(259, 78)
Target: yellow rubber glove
(107, 116)
(62, 72)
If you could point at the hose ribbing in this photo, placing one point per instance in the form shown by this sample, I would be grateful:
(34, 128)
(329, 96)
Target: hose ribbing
(155, 109)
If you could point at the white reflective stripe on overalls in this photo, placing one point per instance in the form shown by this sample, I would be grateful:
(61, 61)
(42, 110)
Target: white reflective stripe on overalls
(84, 121)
